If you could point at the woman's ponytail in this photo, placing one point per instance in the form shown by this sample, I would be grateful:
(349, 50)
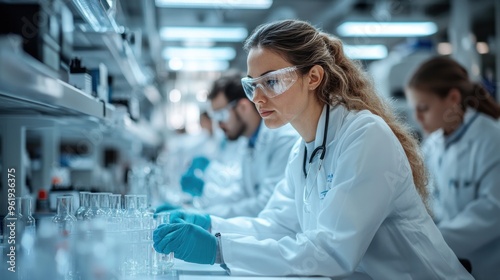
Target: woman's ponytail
(482, 101)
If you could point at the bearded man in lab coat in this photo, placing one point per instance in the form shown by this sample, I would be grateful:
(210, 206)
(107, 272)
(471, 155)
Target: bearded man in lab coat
(263, 158)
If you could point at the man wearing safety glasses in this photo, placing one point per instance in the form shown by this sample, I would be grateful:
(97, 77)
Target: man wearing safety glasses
(264, 159)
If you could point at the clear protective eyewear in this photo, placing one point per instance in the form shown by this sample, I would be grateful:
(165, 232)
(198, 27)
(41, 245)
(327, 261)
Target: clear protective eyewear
(272, 84)
(222, 115)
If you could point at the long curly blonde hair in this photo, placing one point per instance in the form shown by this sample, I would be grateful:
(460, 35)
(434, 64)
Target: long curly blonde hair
(344, 81)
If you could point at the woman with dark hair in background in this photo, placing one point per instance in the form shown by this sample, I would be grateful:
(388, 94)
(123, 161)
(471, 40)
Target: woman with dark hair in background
(352, 204)
(463, 156)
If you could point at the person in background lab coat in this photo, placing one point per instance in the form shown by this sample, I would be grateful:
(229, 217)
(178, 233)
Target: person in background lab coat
(463, 156)
(263, 160)
(352, 203)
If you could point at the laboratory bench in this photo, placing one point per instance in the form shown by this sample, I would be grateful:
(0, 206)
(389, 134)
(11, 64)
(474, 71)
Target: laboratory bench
(191, 271)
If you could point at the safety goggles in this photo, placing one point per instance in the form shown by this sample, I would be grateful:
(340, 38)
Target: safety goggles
(222, 115)
(272, 84)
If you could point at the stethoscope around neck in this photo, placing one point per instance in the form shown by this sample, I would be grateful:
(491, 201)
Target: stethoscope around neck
(322, 150)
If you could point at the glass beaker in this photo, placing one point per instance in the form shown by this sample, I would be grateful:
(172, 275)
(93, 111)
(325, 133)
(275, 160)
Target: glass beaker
(64, 218)
(161, 263)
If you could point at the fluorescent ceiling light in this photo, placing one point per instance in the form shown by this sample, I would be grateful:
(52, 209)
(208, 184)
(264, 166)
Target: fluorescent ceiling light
(366, 51)
(224, 4)
(202, 65)
(221, 34)
(387, 29)
(218, 53)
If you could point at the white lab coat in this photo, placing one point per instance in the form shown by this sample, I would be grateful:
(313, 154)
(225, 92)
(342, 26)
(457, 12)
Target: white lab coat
(263, 166)
(367, 220)
(466, 172)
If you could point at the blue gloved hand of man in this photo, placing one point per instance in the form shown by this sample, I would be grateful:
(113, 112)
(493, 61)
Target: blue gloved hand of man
(199, 162)
(180, 216)
(189, 242)
(192, 184)
(165, 207)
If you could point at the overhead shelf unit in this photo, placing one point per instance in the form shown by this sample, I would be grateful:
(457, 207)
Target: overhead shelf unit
(29, 87)
(112, 50)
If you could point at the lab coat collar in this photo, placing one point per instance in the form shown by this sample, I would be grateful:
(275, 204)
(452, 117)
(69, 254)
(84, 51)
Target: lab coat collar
(469, 117)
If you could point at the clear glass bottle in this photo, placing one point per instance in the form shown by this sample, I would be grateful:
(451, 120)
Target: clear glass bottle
(29, 234)
(142, 204)
(91, 211)
(161, 263)
(132, 224)
(131, 210)
(115, 217)
(103, 211)
(64, 217)
(84, 204)
(115, 205)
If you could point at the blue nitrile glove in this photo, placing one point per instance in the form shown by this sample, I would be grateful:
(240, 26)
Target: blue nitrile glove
(181, 216)
(165, 207)
(189, 242)
(199, 162)
(192, 184)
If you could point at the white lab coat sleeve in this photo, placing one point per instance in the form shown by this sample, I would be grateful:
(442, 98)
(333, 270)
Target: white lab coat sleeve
(251, 206)
(278, 219)
(363, 190)
(218, 194)
(479, 223)
(433, 200)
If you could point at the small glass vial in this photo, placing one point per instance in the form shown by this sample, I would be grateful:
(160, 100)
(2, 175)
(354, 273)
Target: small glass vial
(64, 218)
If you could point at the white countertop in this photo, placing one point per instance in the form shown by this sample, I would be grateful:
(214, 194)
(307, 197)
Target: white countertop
(190, 271)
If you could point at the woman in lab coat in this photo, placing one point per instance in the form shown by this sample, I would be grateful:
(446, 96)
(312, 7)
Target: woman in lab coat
(352, 202)
(463, 156)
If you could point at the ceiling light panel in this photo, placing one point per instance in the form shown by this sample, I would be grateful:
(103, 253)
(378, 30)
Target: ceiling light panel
(217, 4)
(204, 65)
(217, 53)
(387, 29)
(219, 34)
(365, 51)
